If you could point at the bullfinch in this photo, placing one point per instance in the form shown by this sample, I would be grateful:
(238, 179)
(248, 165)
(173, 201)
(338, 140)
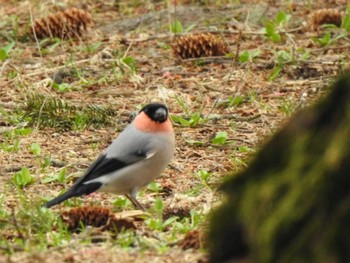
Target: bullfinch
(135, 158)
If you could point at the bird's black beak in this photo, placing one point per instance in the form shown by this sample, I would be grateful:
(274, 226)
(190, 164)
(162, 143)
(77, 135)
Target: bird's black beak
(160, 115)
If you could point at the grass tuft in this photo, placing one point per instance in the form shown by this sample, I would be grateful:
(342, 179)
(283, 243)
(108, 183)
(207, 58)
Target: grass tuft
(48, 111)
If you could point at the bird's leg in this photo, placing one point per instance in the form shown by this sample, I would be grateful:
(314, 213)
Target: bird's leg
(135, 202)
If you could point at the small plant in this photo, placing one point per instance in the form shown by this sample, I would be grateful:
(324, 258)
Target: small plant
(192, 119)
(289, 56)
(327, 39)
(163, 45)
(273, 27)
(345, 24)
(287, 107)
(36, 227)
(49, 45)
(177, 28)
(35, 148)
(220, 138)
(130, 62)
(48, 111)
(248, 56)
(122, 202)
(92, 48)
(11, 142)
(62, 87)
(23, 178)
(60, 177)
(156, 222)
(5, 51)
(12, 145)
(204, 175)
(154, 187)
(235, 101)
(126, 239)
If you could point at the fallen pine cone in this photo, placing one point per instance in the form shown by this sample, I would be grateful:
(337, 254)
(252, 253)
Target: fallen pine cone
(192, 240)
(95, 216)
(325, 16)
(180, 212)
(198, 45)
(71, 23)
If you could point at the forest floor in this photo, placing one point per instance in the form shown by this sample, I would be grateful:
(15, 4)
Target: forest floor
(223, 109)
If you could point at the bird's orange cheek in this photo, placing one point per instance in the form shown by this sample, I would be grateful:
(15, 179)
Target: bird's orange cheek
(143, 123)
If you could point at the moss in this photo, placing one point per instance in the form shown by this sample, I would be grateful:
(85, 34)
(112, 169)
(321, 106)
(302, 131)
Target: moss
(293, 202)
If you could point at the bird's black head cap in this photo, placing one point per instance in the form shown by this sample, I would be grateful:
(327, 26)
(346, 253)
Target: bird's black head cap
(156, 111)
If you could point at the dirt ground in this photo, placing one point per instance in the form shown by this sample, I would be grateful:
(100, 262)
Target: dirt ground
(140, 30)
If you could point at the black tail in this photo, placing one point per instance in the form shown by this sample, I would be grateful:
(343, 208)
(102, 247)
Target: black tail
(60, 199)
(77, 190)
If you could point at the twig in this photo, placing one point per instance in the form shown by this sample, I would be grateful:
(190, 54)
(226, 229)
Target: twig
(53, 69)
(13, 247)
(15, 223)
(238, 47)
(13, 169)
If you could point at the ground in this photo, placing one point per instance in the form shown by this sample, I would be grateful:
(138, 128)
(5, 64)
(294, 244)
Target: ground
(223, 109)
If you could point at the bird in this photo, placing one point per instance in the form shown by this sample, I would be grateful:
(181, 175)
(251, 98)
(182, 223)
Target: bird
(134, 159)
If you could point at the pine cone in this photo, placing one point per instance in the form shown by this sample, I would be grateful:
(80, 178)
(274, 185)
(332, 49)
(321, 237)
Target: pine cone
(95, 216)
(198, 45)
(192, 239)
(325, 16)
(180, 212)
(70, 23)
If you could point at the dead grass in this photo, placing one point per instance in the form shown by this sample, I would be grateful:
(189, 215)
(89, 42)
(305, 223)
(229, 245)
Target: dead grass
(141, 32)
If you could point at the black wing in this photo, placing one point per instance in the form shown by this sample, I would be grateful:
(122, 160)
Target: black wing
(101, 167)
(104, 165)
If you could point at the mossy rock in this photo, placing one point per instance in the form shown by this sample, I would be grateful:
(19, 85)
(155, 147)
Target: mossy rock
(292, 204)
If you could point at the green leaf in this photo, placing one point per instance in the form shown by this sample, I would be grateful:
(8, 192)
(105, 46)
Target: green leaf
(3, 55)
(204, 175)
(195, 119)
(158, 205)
(180, 120)
(48, 179)
(176, 27)
(284, 56)
(63, 87)
(220, 138)
(62, 175)
(275, 73)
(23, 178)
(121, 202)
(35, 149)
(4, 52)
(190, 27)
(130, 61)
(235, 101)
(194, 142)
(23, 131)
(282, 18)
(244, 57)
(325, 40)
(271, 32)
(154, 187)
(346, 23)
(247, 56)
(169, 221)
